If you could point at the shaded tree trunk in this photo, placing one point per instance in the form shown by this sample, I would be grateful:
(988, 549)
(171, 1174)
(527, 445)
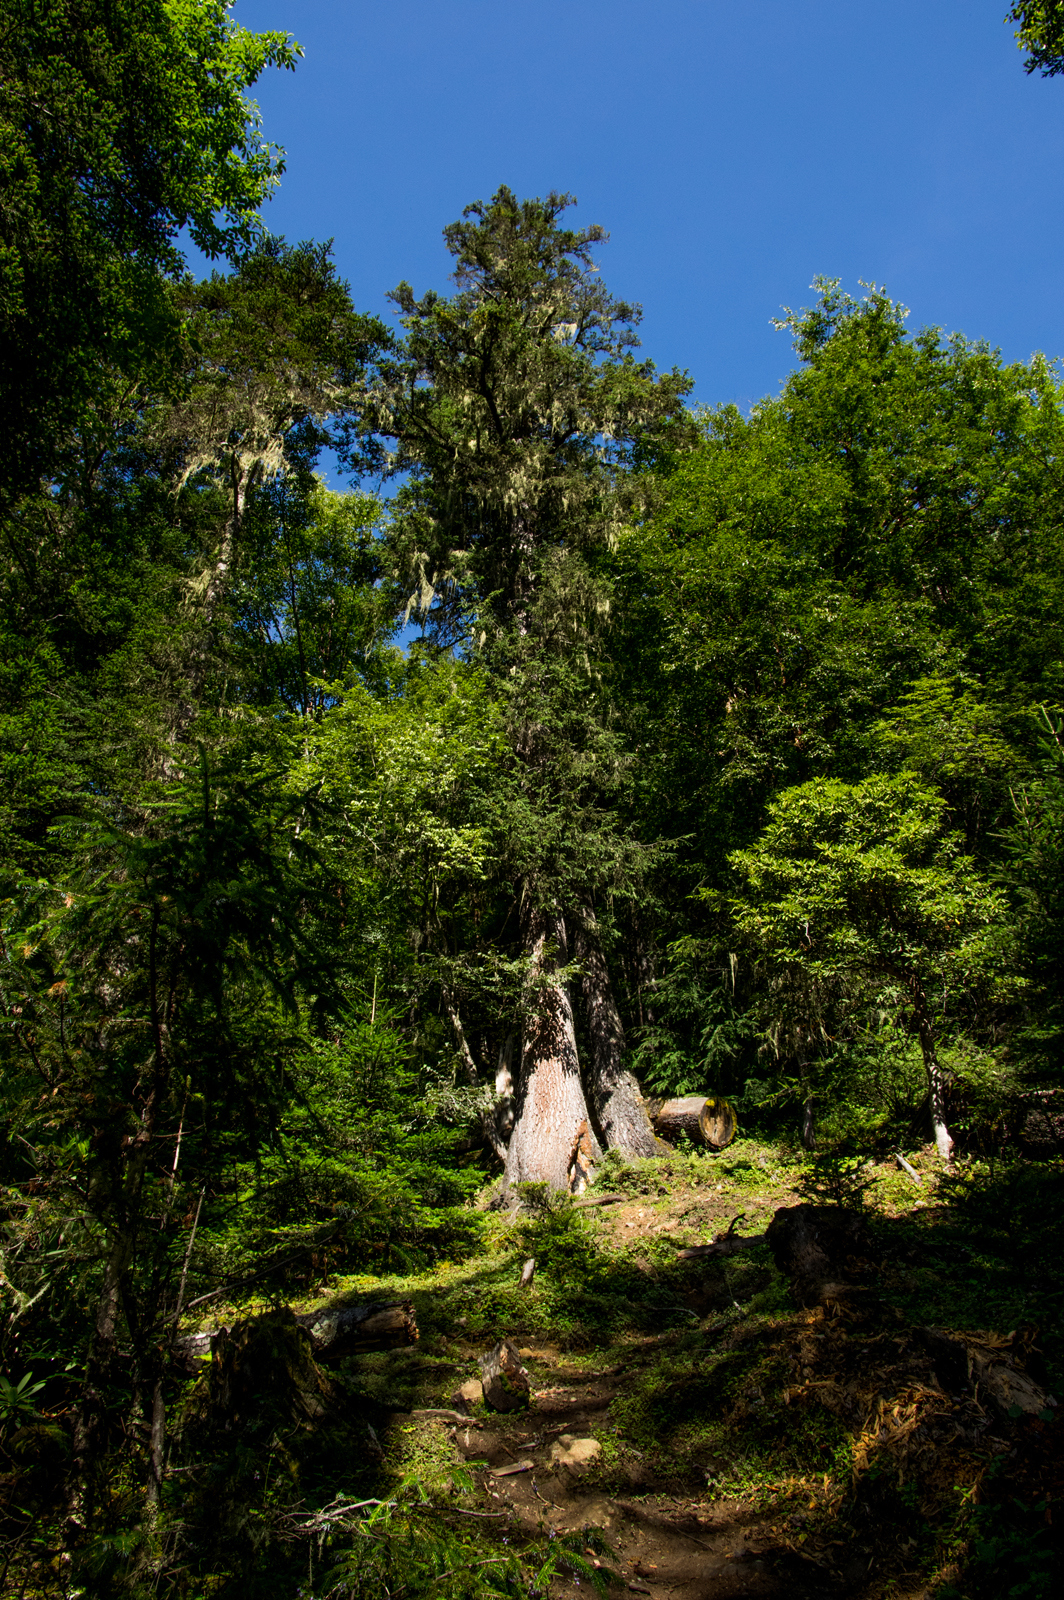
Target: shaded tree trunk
(552, 1141)
(210, 602)
(808, 1105)
(504, 1088)
(122, 1208)
(125, 1206)
(493, 1127)
(933, 1067)
(615, 1095)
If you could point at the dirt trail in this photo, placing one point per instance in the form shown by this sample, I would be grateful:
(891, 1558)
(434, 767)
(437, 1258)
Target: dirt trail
(721, 1436)
(663, 1544)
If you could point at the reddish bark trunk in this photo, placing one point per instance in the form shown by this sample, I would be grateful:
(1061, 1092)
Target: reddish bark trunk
(551, 1141)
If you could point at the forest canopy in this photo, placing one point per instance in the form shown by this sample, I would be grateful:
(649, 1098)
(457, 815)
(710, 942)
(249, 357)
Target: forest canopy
(366, 851)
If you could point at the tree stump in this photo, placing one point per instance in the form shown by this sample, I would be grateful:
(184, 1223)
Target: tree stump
(710, 1121)
(505, 1380)
(267, 1362)
(822, 1249)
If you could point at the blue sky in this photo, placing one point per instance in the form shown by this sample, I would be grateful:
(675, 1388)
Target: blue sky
(733, 148)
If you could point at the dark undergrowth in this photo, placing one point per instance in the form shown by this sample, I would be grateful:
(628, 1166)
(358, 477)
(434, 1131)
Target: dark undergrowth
(723, 1391)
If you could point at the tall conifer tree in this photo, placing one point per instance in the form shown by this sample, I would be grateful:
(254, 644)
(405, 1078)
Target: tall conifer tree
(517, 409)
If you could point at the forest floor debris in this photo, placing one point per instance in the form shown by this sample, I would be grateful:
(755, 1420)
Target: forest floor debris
(735, 1440)
(696, 1425)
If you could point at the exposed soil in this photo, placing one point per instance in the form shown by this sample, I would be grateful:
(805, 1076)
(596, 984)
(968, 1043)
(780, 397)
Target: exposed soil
(668, 1536)
(711, 1424)
(663, 1544)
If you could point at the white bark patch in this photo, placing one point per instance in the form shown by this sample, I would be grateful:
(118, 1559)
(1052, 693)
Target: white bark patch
(552, 1117)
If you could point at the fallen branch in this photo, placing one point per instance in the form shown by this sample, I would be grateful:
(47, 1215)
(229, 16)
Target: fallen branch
(905, 1167)
(725, 1244)
(291, 1525)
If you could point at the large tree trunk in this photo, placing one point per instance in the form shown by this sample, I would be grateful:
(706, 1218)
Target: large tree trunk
(615, 1095)
(552, 1141)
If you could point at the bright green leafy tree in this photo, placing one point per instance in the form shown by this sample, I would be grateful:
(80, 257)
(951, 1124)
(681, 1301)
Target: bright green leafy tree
(1041, 34)
(122, 122)
(861, 885)
(866, 573)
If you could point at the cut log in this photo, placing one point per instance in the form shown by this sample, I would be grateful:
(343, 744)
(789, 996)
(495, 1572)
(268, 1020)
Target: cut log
(506, 1385)
(335, 1332)
(340, 1331)
(710, 1121)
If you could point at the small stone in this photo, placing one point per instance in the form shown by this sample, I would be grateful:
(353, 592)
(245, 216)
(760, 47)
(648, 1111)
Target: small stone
(575, 1455)
(468, 1395)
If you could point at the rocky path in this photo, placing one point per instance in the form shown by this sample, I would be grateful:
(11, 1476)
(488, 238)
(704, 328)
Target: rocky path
(542, 1467)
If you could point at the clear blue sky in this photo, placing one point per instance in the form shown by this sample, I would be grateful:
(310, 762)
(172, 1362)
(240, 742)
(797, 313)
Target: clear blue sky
(733, 150)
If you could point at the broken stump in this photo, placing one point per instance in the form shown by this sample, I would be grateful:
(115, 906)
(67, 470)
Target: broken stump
(505, 1380)
(824, 1250)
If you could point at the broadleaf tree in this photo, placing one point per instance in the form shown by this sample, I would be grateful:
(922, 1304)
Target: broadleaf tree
(122, 122)
(862, 887)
